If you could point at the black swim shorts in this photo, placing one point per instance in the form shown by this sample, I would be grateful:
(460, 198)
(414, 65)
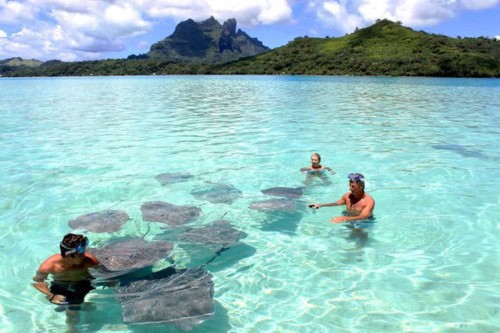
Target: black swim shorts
(74, 291)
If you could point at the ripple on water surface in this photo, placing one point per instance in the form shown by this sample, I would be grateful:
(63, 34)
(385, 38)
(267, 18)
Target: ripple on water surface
(428, 149)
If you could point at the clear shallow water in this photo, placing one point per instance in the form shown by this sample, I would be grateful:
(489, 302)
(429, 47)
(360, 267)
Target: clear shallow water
(428, 148)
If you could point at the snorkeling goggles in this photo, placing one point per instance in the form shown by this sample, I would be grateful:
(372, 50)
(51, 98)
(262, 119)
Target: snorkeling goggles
(356, 177)
(80, 249)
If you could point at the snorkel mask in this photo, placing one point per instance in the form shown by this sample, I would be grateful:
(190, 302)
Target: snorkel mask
(80, 249)
(356, 177)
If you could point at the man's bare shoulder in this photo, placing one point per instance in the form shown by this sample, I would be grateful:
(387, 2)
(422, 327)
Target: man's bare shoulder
(344, 199)
(91, 259)
(49, 265)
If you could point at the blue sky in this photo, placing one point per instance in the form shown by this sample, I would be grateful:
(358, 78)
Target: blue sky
(72, 30)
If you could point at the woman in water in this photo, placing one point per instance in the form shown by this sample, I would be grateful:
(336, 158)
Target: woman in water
(316, 169)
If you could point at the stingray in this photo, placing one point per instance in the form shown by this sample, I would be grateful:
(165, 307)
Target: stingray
(217, 193)
(164, 212)
(184, 299)
(286, 192)
(122, 257)
(206, 242)
(465, 152)
(219, 232)
(282, 205)
(171, 178)
(103, 221)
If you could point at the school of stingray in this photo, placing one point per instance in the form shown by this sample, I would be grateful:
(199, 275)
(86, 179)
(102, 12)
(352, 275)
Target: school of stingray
(180, 297)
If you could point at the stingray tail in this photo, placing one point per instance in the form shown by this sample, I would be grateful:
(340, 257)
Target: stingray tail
(116, 204)
(217, 253)
(149, 228)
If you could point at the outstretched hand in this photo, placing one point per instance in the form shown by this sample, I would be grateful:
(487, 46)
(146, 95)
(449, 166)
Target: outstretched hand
(313, 205)
(338, 219)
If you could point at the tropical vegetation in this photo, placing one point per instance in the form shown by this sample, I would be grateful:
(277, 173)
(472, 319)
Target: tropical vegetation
(385, 48)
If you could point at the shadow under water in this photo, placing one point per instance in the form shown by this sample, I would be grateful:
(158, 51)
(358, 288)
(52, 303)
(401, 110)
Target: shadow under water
(231, 256)
(282, 222)
(464, 151)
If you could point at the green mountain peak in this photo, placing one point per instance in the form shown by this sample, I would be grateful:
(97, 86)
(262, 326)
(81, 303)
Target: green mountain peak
(206, 42)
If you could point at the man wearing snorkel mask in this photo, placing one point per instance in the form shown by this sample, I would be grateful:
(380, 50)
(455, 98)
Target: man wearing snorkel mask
(69, 269)
(359, 204)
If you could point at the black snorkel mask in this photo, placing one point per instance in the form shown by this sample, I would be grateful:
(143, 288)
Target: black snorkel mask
(80, 249)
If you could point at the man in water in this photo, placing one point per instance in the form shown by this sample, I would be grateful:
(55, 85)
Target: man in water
(359, 204)
(69, 269)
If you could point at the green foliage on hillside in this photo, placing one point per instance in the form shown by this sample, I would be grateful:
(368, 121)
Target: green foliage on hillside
(14, 62)
(108, 67)
(385, 48)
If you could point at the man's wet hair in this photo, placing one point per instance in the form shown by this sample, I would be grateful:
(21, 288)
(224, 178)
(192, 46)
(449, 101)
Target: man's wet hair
(317, 155)
(71, 242)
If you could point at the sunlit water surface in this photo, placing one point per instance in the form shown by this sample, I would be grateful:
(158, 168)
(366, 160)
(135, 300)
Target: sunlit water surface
(429, 149)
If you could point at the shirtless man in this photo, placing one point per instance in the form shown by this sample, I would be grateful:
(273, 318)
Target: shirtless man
(71, 280)
(359, 204)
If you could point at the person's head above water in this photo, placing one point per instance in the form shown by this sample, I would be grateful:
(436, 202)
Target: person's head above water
(315, 159)
(357, 178)
(73, 244)
(316, 169)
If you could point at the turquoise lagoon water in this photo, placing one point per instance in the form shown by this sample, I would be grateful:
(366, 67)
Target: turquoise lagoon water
(428, 148)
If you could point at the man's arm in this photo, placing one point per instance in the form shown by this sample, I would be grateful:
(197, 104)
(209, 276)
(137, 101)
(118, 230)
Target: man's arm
(365, 213)
(41, 285)
(339, 202)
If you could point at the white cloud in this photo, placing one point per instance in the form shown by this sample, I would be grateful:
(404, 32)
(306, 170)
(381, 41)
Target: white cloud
(85, 28)
(348, 14)
(110, 21)
(76, 21)
(51, 42)
(479, 4)
(245, 12)
(125, 21)
(3, 34)
(335, 13)
(76, 6)
(15, 12)
(69, 29)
